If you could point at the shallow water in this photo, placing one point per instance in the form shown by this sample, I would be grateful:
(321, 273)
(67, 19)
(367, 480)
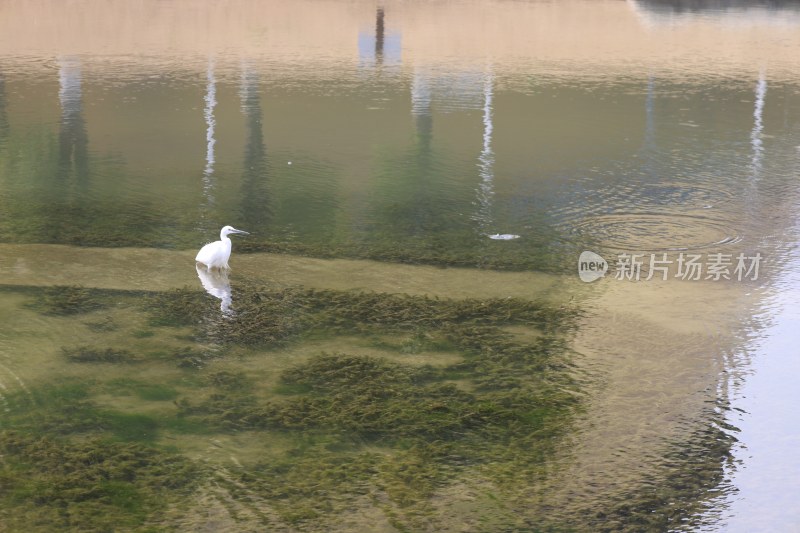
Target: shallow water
(375, 150)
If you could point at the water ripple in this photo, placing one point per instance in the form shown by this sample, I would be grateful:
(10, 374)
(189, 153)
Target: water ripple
(654, 232)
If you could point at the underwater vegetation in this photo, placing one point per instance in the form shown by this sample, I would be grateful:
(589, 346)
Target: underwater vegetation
(49, 484)
(87, 354)
(498, 410)
(693, 467)
(67, 300)
(446, 249)
(423, 400)
(103, 325)
(269, 317)
(370, 399)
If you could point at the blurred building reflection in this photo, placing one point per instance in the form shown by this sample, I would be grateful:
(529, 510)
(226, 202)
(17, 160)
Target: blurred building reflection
(255, 205)
(3, 113)
(665, 12)
(73, 139)
(380, 47)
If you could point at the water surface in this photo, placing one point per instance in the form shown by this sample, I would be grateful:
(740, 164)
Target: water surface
(371, 150)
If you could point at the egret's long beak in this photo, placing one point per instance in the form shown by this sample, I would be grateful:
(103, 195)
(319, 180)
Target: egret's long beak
(239, 231)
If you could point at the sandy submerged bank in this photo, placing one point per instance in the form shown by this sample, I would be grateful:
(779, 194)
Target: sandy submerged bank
(159, 270)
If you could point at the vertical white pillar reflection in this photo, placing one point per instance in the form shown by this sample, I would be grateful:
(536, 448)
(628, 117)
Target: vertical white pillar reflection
(3, 114)
(485, 190)
(69, 87)
(758, 126)
(211, 122)
(422, 111)
(249, 87)
(255, 202)
(420, 94)
(73, 138)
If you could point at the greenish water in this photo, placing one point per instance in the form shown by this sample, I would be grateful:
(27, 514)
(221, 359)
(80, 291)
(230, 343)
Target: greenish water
(375, 361)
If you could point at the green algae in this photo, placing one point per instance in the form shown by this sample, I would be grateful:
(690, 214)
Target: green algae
(500, 407)
(311, 481)
(191, 358)
(72, 409)
(105, 325)
(88, 354)
(415, 342)
(360, 430)
(67, 300)
(235, 381)
(95, 485)
(429, 433)
(68, 410)
(272, 317)
(157, 392)
(181, 307)
(131, 427)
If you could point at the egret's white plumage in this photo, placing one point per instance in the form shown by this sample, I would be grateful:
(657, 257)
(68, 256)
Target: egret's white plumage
(216, 254)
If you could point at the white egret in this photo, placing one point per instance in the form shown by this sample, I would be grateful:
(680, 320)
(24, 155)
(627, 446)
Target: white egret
(216, 254)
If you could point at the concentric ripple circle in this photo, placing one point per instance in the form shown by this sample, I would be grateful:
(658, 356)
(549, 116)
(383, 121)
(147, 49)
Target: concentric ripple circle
(653, 232)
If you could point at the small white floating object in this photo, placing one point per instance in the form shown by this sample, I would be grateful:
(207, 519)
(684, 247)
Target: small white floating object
(290, 162)
(503, 236)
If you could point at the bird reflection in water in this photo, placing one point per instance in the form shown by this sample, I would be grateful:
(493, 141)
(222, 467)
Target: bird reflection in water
(216, 283)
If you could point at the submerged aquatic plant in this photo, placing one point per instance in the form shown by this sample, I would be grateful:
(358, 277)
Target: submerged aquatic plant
(429, 398)
(94, 485)
(687, 476)
(67, 300)
(271, 317)
(236, 381)
(105, 325)
(191, 358)
(88, 354)
(430, 431)
(388, 402)
(499, 408)
(181, 307)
